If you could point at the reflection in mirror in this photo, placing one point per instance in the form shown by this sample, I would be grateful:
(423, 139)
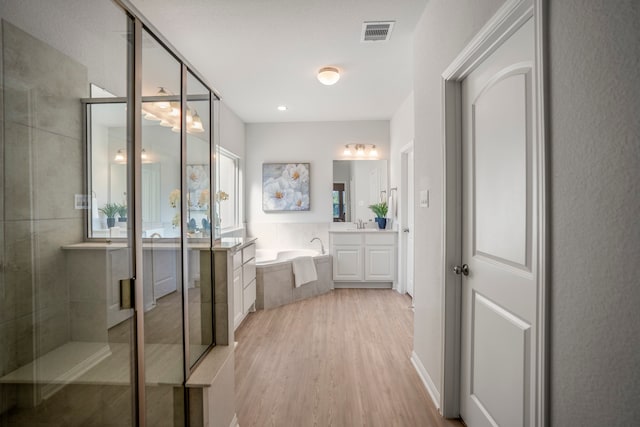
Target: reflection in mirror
(198, 187)
(356, 185)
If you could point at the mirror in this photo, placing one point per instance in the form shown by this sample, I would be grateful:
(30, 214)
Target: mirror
(356, 185)
(106, 124)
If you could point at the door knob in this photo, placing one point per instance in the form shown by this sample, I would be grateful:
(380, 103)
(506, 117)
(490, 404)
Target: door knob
(463, 269)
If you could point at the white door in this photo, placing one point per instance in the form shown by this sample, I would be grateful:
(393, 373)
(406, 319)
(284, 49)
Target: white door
(499, 238)
(409, 227)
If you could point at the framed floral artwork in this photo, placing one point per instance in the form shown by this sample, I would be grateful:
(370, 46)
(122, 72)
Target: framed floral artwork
(285, 187)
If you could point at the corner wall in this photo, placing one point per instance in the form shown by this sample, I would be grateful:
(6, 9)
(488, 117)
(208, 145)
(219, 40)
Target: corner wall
(443, 31)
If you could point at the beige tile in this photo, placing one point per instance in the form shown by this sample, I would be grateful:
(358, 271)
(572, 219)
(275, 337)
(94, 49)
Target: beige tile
(88, 321)
(52, 328)
(18, 165)
(56, 83)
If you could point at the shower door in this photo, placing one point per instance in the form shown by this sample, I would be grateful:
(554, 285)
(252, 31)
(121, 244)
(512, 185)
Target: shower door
(66, 324)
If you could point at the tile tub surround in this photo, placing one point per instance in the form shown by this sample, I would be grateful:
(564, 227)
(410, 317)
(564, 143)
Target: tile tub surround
(276, 285)
(278, 235)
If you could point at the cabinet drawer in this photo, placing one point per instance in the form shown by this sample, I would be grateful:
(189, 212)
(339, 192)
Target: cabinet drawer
(346, 238)
(248, 273)
(249, 296)
(237, 260)
(379, 238)
(248, 252)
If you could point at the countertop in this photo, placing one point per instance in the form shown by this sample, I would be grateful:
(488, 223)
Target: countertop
(226, 243)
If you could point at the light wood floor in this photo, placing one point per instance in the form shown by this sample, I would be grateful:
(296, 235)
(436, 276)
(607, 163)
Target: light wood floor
(340, 359)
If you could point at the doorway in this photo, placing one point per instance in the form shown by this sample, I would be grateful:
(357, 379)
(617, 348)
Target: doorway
(406, 219)
(494, 214)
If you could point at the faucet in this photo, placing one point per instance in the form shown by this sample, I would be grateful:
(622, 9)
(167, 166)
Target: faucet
(321, 245)
(360, 225)
(155, 235)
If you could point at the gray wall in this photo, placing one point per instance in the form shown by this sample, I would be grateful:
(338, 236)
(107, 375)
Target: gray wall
(595, 212)
(42, 168)
(594, 183)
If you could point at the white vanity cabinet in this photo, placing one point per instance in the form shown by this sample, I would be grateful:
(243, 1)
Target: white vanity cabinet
(363, 256)
(244, 282)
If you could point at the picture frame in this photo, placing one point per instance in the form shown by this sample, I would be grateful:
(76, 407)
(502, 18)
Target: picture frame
(286, 187)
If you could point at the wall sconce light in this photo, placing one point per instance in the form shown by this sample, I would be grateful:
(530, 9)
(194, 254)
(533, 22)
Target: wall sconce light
(119, 157)
(328, 75)
(361, 150)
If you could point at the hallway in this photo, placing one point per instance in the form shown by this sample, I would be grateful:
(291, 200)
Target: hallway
(340, 359)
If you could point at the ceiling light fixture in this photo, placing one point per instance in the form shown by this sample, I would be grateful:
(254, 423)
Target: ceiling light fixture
(282, 108)
(328, 75)
(347, 151)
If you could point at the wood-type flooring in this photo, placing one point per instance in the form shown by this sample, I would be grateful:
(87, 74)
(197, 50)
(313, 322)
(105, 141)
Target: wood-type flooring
(340, 359)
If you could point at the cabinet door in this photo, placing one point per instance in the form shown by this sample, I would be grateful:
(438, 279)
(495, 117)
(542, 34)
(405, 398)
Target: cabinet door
(379, 263)
(237, 296)
(347, 263)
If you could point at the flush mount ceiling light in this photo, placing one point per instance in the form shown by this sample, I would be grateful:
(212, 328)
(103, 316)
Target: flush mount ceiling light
(328, 75)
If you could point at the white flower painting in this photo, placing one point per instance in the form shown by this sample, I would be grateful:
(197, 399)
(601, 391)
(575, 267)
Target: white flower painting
(285, 187)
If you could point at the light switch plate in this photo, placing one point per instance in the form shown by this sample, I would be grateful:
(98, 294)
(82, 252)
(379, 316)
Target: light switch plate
(424, 198)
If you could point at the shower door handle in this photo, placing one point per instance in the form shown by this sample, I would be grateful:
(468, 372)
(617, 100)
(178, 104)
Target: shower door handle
(127, 295)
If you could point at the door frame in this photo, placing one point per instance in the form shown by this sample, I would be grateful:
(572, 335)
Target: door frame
(507, 20)
(403, 212)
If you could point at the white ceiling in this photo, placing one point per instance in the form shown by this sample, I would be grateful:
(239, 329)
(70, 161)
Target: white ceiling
(259, 54)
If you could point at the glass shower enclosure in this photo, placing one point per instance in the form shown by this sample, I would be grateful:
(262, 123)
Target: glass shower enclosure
(106, 146)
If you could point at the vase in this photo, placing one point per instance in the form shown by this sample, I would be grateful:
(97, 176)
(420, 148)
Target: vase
(111, 222)
(382, 223)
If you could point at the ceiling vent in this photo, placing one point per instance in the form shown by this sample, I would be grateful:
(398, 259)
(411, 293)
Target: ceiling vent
(378, 31)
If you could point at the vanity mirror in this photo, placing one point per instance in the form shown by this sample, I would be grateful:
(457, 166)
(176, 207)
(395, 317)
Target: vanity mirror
(356, 185)
(107, 178)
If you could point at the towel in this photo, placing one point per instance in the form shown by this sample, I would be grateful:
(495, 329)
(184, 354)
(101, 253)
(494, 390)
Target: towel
(304, 270)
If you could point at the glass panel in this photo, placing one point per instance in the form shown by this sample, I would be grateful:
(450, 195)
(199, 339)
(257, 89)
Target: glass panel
(198, 183)
(65, 339)
(162, 259)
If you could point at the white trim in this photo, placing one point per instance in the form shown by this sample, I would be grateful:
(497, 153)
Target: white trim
(499, 28)
(426, 379)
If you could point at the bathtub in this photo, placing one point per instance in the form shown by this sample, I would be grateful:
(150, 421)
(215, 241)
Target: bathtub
(268, 256)
(275, 284)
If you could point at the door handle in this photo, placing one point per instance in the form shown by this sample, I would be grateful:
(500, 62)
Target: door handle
(461, 269)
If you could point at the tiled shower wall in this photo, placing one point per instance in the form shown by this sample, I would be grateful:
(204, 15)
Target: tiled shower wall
(42, 158)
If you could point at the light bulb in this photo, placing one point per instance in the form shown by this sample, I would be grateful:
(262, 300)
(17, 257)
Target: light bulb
(373, 152)
(347, 151)
(119, 156)
(143, 155)
(175, 109)
(163, 105)
(360, 150)
(196, 124)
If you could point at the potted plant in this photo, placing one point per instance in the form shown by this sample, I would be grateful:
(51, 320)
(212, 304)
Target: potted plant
(110, 210)
(380, 209)
(122, 213)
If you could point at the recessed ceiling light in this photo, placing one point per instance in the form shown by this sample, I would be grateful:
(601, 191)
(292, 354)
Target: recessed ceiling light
(328, 75)
(282, 108)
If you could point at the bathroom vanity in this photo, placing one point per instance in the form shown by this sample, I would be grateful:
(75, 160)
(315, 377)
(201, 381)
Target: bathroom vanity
(363, 258)
(235, 265)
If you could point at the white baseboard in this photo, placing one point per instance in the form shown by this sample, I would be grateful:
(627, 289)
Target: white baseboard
(426, 379)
